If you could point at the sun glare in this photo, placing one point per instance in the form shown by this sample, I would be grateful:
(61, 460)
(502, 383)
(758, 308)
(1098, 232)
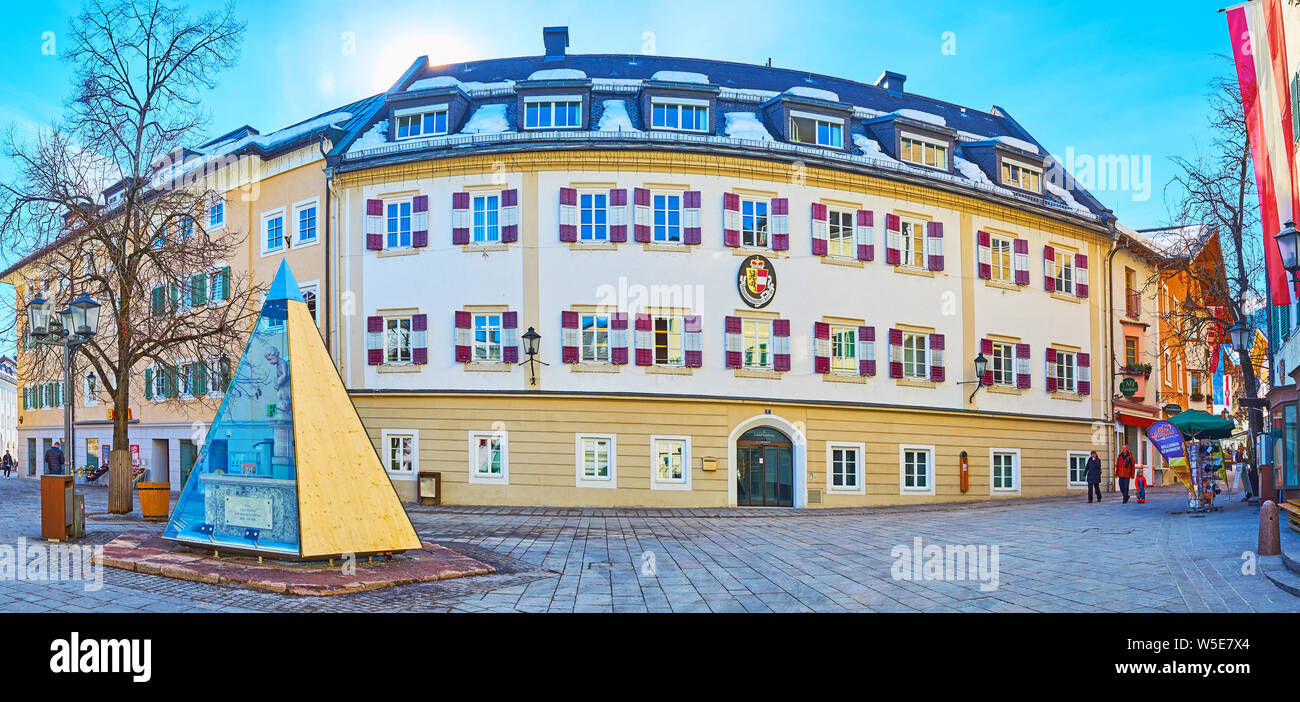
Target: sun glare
(396, 56)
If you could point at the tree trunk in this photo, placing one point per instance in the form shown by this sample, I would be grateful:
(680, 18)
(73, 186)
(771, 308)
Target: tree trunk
(119, 457)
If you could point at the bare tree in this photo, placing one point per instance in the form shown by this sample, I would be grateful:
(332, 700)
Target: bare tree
(109, 203)
(1214, 193)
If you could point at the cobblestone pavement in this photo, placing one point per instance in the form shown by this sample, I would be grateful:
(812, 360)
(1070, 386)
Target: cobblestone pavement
(1054, 555)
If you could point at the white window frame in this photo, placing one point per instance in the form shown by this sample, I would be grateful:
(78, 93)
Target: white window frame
(850, 362)
(847, 234)
(398, 202)
(89, 398)
(298, 207)
(1070, 484)
(419, 113)
(1015, 471)
(1064, 260)
(486, 227)
(595, 332)
(817, 120)
(386, 435)
(409, 349)
(186, 389)
(747, 323)
(656, 483)
(668, 228)
(924, 352)
(487, 344)
(677, 104)
(909, 246)
(214, 372)
(580, 459)
(679, 334)
(1073, 365)
(1010, 360)
(212, 204)
(593, 194)
(285, 231)
(472, 443)
(924, 142)
(157, 396)
(1023, 168)
(860, 472)
(902, 470)
(766, 228)
(995, 240)
(551, 101)
(312, 286)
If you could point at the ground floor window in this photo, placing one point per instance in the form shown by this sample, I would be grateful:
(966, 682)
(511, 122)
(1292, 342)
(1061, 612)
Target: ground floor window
(917, 469)
(844, 467)
(595, 460)
(1077, 469)
(671, 462)
(400, 455)
(488, 457)
(1005, 466)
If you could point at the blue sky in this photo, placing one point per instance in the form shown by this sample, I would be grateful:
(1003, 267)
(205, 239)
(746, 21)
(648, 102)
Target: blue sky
(1100, 78)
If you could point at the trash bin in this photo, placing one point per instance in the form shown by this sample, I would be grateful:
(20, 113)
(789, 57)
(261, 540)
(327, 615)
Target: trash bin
(56, 507)
(154, 500)
(430, 487)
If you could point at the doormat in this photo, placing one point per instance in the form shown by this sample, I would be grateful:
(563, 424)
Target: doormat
(147, 552)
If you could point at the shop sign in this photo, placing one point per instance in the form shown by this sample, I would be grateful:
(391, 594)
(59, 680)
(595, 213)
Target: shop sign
(1128, 387)
(1168, 441)
(756, 281)
(1172, 408)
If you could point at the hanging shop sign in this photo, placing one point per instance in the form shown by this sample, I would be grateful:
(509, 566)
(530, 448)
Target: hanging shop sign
(756, 281)
(1172, 408)
(1128, 387)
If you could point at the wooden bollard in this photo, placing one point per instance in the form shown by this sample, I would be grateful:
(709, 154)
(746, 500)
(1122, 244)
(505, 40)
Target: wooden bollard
(1270, 540)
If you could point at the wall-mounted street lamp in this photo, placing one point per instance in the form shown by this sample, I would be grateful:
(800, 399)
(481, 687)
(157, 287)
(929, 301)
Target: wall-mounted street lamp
(532, 345)
(74, 326)
(1288, 245)
(981, 366)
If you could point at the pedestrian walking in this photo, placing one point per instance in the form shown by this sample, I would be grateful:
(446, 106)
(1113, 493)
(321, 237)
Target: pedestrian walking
(54, 460)
(7, 463)
(1092, 473)
(1124, 470)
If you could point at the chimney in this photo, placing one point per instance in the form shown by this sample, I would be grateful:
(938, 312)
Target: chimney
(892, 82)
(556, 40)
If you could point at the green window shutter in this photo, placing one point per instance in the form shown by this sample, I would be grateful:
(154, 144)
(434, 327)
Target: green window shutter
(26, 397)
(148, 383)
(173, 381)
(176, 296)
(47, 395)
(224, 368)
(199, 372)
(58, 394)
(156, 302)
(225, 283)
(199, 290)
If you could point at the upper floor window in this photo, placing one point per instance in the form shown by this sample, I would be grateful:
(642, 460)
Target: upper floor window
(1063, 371)
(217, 214)
(667, 218)
(923, 152)
(397, 220)
(487, 338)
(1130, 351)
(593, 214)
(839, 234)
(912, 243)
(1019, 175)
(687, 115)
(273, 228)
(814, 129)
(397, 340)
(486, 224)
(542, 113)
(305, 216)
(916, 356)
(844, 349)
(595, 338)
(1000, 261)
(418, 124)
(753, 223)
(1132, 298)
(1003, 364)
(756, 343)
(1064, 272)
(668, 341)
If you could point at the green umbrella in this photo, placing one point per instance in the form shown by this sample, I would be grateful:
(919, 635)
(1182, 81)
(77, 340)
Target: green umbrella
(1195, 424)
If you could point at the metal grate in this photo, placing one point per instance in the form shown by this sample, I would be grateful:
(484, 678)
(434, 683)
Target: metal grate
(814, 497)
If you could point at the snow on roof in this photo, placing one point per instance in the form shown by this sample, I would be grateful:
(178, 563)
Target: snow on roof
(816, 93)
(471, 87)
(488, 119)
(871, 148)
(1019, 144)
(374, 137)
(615, 118)
(264, 141)
(970, 170)
(434, 82)
(557, 74)
(921, 116)
(609, 83)
(1176, 241)
(745, 125)
(1065, 196)
(680, 77)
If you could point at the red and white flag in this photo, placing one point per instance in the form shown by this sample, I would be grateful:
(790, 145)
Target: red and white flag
(1260, 52)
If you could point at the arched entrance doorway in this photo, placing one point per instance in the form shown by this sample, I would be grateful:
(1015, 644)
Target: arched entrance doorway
(764, 469)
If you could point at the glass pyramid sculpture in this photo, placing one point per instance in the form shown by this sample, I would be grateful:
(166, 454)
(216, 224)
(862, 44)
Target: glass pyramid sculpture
(286, 469)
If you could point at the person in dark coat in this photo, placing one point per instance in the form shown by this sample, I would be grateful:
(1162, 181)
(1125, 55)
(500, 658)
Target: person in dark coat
(54, 460)
(1092, 473)
(7, 463)
(1124, 470)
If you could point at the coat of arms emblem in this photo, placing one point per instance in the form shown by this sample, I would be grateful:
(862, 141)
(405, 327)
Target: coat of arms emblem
(756, 281)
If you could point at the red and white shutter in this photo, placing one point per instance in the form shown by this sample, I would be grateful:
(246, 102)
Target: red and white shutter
(464, 324)
(644, 335)
(618, 338)
(568, 337)
(821, 344)
(374, 340)
(820, 227)
(617, 216)
(731, 219)
(692, 341)
(691, 217)
(733, 331)
(895, 353)
(779, 224)
(1083, 373)
(984, 254)
(1022, 366)
(1020, 260)
(781, 344)
(509, 337)
(641, 214)
(1081, 275)
(1051, 370)
(568, 215)
(866, 350)
(936, 358)
(509, 216)
(420, 339)
(460, 218)
(934, 245)
(375, 225)
(420, 221)
(893, 240)
(986, 348)
(1049, 269)
(864, 233)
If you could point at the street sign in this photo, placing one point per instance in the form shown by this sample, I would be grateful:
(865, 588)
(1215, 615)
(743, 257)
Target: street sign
(1128, 387)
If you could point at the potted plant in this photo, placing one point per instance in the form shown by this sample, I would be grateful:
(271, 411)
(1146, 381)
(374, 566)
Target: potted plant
(1136, 368)
(1197, 397)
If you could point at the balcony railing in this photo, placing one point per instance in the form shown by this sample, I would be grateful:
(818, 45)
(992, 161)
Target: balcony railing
(1133, 304)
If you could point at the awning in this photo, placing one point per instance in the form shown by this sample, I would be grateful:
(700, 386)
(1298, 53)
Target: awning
(1134, 420)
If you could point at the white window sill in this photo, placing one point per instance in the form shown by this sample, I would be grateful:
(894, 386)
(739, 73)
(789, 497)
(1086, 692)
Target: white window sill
(663, 485)
(396, 251)
(403, 475)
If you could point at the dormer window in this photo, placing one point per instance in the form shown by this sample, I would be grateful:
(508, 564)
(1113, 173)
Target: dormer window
(679, 113)
(923, 152)
(552, 112)
(421, 122)
(806, 128)
(1021, 175)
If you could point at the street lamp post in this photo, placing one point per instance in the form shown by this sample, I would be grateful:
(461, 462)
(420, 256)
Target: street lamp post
(532, 346)
(73, 327)
(981, 366)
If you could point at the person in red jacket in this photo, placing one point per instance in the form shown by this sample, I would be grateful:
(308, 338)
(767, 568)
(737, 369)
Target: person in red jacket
(1124, 470)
